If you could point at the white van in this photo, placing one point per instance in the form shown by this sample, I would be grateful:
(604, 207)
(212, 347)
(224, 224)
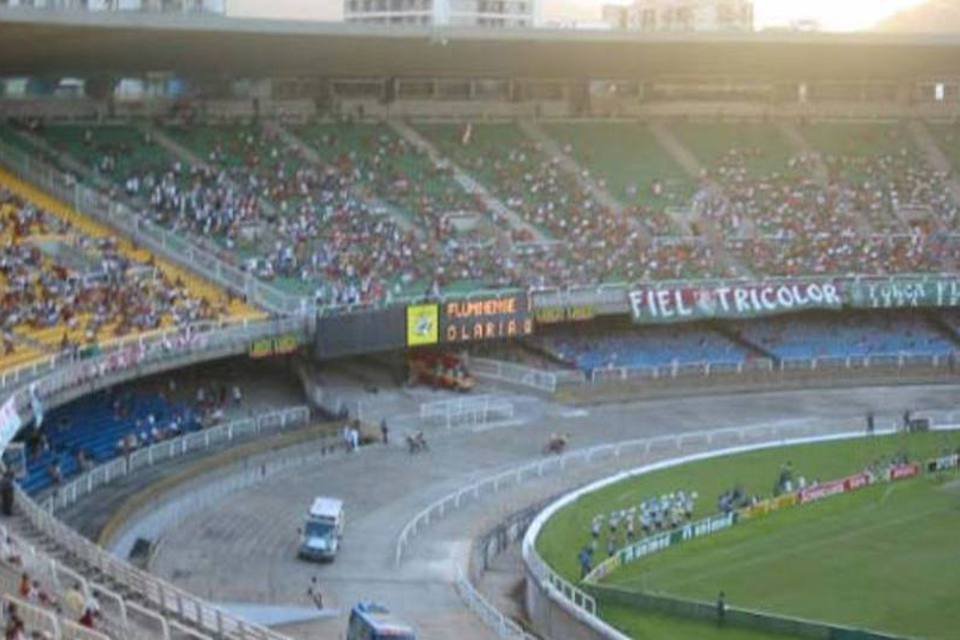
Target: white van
(321, 533)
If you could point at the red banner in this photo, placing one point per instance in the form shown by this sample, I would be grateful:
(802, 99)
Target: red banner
(834, 487)
(903, 471)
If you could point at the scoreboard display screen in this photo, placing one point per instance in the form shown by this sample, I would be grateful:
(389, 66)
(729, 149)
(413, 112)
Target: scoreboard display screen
(485, 319)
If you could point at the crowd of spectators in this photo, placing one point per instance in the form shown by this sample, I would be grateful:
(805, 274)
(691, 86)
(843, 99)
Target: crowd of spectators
(102, 293)
(315, 226)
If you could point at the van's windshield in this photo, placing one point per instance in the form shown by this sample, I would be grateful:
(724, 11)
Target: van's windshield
(319, 529)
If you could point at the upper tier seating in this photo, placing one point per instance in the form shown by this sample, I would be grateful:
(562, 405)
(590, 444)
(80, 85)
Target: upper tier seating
(876, 170)
(627, 159)
(313, 224)
(842, 255)
(390, 168)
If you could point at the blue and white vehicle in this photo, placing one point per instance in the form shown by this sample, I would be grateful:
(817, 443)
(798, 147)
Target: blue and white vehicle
(370, 621)
(321, 533)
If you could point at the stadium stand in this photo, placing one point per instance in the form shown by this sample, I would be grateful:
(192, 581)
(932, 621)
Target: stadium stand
(384, 164)
(627, 158)
(295, 214)
(97, 428)
(846, 335)
(645, 348)
(70, 283)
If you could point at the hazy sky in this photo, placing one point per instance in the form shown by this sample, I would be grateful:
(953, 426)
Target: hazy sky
(837, 15)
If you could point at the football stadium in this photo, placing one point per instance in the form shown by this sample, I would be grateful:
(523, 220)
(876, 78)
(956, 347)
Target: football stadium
(401, 327)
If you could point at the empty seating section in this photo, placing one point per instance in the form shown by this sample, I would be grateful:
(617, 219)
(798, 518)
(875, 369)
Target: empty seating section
(846, 335)
(393, 170)
(645, 348)
(95, 429)
(117, 152)
(628, 160)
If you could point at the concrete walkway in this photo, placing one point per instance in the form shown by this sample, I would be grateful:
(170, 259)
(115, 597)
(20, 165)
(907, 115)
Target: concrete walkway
(384, 487)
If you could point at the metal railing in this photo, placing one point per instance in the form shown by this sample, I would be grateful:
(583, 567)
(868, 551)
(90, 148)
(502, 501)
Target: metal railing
(518, 374)
(88, 482)
(167, 598)
(27, 372)
(138, 354)
(500, 624)
(897, 361)
(136, 225)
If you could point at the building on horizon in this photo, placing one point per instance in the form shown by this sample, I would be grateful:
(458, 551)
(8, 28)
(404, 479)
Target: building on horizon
(682, 16)
(457, 13)
(217, 7)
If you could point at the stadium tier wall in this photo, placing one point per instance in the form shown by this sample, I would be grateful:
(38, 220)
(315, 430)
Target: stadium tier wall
(707, 612)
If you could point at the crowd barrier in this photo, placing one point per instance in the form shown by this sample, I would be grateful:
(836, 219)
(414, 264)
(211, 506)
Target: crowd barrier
(83, 375)
(88, 482)
(825, 364)
(524, 376)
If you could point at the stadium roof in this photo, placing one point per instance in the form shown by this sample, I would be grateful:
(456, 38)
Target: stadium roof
(45, 41)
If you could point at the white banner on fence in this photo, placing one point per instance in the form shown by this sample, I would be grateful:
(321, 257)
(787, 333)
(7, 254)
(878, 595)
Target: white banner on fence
(10, 421)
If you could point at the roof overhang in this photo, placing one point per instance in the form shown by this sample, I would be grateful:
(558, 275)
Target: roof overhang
(53, 42)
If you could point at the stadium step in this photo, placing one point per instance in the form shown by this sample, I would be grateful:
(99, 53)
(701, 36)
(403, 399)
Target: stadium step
(571, 166)
(189, 156)
(468, 182)
(311, 155)
(938, 160)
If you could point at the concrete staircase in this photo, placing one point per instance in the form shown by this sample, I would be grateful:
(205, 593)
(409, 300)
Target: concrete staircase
(187, 155)
(793, 134)
(938, 160)
(469, 184)
(571, 166)
(65, 160)
(292, 140)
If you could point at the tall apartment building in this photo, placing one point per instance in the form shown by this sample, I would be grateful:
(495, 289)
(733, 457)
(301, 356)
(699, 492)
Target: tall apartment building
(681, 15)
(474, 13)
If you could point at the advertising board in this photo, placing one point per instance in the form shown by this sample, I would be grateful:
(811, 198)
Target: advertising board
(423, 326)
(486, 319)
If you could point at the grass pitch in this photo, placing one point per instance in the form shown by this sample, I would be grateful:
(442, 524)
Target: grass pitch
(881, 558)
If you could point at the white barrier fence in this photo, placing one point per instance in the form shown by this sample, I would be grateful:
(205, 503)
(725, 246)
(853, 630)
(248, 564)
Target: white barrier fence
(583, 605)
(824, 364)
(172, 601)
(467, 410)
(766, 434)
(88, 482)
(521, 375)
(500, 624)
